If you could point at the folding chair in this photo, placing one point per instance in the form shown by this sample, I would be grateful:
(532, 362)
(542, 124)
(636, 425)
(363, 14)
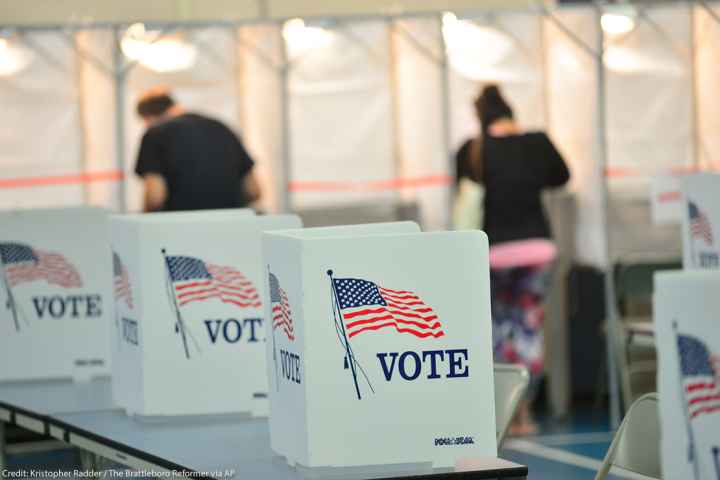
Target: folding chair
(511, 383)
(636, 364)
(636, 446)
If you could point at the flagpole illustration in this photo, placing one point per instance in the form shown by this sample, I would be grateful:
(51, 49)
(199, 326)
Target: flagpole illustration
(118, 327)
(10, 301)
(693, 258)
(272, 327)
(692, 451)
(179, 324)
(716, 461)
(337, 312)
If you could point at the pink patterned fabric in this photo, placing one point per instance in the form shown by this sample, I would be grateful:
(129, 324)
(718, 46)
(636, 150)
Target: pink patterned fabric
(522, 253)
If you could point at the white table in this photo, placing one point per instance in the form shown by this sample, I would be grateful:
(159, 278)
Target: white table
(83, 415)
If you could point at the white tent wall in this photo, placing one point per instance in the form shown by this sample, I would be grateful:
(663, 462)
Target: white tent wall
(707, 74)
(418, 62)
(571, 84)
(260, 51)
(651, 132)
(649, 74)
(341, 117)
(515, 64)
(40, 129)
(97, 104)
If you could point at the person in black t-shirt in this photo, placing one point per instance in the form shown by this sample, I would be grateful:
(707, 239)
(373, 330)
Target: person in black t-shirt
(191, 162)
(515, 167)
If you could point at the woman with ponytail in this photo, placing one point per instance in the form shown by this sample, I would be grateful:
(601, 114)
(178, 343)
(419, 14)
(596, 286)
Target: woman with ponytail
(515, 167)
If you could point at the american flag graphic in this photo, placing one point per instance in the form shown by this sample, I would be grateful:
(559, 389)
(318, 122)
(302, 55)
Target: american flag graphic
(24, 264)
(195, 280)
(121, 282)
(699, 376)
(366, 306)
(282, 316)
(699, 224)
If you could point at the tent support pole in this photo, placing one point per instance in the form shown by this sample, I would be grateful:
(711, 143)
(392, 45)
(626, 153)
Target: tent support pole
(713, 14)
(447, 127)
(398, 156)
(419, 47)
(696, 135)
(119, 78)
(285, 174)
(611, 313)
(569, 33)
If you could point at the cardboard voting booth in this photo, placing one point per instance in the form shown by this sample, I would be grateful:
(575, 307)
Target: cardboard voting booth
(687, 311)
(189, 317)
(666, 200)
(56, 301)
(184, 216)
(701, 221)
(379, 349)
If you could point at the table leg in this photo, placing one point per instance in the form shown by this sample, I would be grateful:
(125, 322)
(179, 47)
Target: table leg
(86, 459)
(3, 463)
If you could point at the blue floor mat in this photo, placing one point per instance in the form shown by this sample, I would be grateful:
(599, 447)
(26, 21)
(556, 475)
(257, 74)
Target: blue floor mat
(593, 450)
(65, 460)
(544, 469)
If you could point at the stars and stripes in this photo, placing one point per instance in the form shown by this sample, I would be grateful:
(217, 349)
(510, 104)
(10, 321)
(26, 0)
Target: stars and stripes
(121, 282)
(699, 376)
(282, 316)
(194, 280)
(366, 306)
(700, 226)
(24, 264)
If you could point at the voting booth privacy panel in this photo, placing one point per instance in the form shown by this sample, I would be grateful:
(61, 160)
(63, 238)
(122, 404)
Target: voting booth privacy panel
(379, 341)
(701, 220)
(56, 296)
(686, 324)
(189, 322)
(290, 88)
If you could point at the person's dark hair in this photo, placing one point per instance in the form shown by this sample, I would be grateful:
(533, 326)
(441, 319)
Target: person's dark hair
(154, 105)
(490, 106)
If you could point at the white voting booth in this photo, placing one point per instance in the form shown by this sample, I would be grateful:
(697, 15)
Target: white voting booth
(189, 333)
(379, 349)
(701, 219)
(666, 200)
(686, 313)
(687, 309)
(55, 300)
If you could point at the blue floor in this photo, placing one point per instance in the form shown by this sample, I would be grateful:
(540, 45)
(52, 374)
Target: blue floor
(571, 449)
(65, 460)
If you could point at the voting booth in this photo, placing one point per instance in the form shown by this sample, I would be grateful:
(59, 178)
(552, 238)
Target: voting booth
(687, 309)
(189, 320)
(379, 350)
(666, 200)
(55, 299)
(701, 218)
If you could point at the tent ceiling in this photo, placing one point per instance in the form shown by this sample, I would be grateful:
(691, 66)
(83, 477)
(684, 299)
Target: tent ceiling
(318, 8)
(54, 13)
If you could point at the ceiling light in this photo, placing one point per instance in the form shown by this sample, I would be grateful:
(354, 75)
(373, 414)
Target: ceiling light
(301, 38)
(168, 54)
(14, 57)
(475, 51)
(618, 20)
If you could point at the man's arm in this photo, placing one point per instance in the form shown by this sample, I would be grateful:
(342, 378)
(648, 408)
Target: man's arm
(150, 167)
(155, 192)
(252, 186)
